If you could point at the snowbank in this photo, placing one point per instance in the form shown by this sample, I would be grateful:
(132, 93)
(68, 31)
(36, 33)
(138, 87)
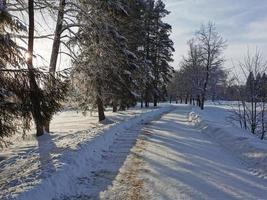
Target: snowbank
(74, 163)
(251, 150)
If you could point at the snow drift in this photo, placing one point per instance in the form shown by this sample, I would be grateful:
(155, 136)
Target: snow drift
(251, 150)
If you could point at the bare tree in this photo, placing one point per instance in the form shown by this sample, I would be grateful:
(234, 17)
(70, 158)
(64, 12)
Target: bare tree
(212, 45)
(253, 93)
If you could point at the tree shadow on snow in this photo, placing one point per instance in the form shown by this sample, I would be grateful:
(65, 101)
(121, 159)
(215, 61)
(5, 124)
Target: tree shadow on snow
(46, 147)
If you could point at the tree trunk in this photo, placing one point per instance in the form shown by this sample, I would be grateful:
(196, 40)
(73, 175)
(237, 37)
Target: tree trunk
(190, 100)
(55, 49)
(155, 100)
(203, 94)
(114, 106)
(202, 102)
(186, 99)
(56, 42)
(34, 89)
(100, 107)
(122, 107)
(198, 101)
(263, 120)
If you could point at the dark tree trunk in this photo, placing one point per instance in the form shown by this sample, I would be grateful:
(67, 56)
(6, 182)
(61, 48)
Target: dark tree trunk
(100, 107)
(99, 102)
(142, 100)
(122, 107)
(203, 94)
(202, 102)
(186, 99)
(114, 106)
(55, 49)
(56, 42)
(34, 89)
(155, 100)
(146, 104)
(198, 101)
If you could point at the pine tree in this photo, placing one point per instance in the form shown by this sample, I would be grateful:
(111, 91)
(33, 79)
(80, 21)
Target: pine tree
(103, 54)
(162, 52)
(12, 83)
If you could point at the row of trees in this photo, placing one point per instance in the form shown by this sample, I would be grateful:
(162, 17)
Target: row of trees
(252, 95)
(201, 71)
(124, 54)
(120, 52)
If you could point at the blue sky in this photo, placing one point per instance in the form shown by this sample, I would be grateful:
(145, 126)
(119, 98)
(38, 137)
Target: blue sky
(243, 23)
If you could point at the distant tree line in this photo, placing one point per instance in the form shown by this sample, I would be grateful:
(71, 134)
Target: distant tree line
(201, 76)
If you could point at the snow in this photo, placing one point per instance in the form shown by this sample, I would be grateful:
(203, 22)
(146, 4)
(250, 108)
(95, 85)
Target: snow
(46, 167)
(214, 121)
(175, 160)
(171, 152)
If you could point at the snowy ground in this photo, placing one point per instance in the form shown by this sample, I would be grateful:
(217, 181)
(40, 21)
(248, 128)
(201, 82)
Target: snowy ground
(44, 166)
(186, 154)
(216, 122)
(177, 160)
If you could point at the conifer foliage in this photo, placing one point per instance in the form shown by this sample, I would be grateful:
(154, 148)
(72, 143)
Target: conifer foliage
(120, 52)
(124, 50)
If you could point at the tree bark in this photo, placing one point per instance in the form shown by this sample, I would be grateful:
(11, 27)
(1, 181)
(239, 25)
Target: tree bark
(56, 42)
(55, 50)
(155, 100)
(34, 89)
(114, 106)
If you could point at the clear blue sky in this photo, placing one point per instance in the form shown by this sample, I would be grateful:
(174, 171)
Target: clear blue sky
(243, 23)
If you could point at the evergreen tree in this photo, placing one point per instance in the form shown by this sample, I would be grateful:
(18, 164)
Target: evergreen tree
(11, 110)
(162, 52)
(104, 60)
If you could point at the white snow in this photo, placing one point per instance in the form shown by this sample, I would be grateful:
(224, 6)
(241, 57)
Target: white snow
(178, 161)
(45, 167)
(186, 154)
(214, 121)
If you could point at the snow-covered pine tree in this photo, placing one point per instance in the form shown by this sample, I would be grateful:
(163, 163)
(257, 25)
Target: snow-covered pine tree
(102, 70)
(149, 28)
(11, 60)
(27, 94)
(158, 48)
(162, 52)
(131, 27)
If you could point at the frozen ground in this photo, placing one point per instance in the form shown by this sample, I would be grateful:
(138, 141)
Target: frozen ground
(216, 122)
(186, 154)
(41, 168)
(177, 160)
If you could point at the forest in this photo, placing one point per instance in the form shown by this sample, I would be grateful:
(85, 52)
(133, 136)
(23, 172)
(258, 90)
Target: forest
(120, 53)
(132, 100)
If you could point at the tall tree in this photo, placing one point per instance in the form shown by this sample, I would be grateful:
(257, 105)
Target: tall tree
(102, 55)
(212, 45)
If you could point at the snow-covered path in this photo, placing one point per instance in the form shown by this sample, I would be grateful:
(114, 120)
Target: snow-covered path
(177, 161)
